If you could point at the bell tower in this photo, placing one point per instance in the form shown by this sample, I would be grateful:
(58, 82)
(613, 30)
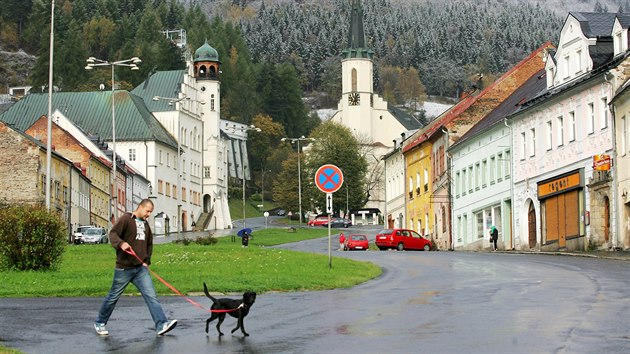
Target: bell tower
(207, 73)
(357, 74)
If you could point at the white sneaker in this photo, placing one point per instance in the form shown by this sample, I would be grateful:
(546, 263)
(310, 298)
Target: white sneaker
(100, 329)
(167, 327)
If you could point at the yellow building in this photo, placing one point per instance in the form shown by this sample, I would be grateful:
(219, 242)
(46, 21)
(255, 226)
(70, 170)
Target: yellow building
(418, 196)
(99, 172)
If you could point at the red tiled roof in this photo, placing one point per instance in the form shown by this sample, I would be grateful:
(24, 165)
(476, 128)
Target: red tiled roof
(474, 107)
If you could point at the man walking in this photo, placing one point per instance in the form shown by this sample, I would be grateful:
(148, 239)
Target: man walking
(132, 232)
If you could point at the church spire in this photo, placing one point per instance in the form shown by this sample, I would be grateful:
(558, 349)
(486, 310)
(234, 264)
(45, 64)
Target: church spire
(356, 35)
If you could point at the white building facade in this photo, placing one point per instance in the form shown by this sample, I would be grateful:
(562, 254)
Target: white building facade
(560, 201)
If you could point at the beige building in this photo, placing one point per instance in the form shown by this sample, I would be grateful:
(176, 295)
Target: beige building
(25, 181)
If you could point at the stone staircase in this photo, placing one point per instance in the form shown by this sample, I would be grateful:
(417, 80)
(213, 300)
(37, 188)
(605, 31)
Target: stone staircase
(202, 222)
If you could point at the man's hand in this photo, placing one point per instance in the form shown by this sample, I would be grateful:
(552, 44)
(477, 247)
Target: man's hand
(125, 246)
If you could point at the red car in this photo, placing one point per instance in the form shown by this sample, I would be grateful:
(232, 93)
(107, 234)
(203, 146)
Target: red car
(318, 221)
(402, 239)
(356, 242)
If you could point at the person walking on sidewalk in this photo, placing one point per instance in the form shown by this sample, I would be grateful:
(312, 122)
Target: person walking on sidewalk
(494, 237)
(132, 232)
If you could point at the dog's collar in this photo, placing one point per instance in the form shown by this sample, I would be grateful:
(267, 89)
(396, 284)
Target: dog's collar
(241, 305)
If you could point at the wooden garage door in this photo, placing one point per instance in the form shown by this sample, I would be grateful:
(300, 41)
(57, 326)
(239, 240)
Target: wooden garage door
(561, 217)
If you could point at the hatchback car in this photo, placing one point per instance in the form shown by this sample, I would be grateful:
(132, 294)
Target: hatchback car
(338, 222)
(318, 221)
(95, 235)
(356, 242)
(402, 239)
(77, 236)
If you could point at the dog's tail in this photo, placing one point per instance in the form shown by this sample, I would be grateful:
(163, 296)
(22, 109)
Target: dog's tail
(205, 290)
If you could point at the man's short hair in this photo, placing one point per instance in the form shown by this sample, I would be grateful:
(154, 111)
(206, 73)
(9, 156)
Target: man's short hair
(146, 201)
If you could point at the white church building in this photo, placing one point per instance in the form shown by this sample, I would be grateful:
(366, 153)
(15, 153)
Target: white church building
(364, 112)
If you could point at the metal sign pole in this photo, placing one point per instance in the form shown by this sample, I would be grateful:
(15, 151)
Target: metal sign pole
(329, 244)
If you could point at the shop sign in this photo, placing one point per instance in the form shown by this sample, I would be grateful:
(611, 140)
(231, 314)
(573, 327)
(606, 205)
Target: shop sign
(558, 185)
(602, 162)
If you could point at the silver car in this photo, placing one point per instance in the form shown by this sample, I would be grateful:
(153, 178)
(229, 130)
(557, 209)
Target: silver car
(95, 235)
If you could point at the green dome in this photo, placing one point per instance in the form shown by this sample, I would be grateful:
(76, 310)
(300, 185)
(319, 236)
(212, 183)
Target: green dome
(206, 53)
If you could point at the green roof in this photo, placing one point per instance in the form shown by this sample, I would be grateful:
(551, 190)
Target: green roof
(92, 112)
(206, 53)
(163, 84)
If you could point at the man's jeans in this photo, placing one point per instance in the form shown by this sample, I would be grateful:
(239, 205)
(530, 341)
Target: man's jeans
(141, 278)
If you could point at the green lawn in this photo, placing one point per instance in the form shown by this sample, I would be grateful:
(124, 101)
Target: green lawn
(87, 270)
(251, 209)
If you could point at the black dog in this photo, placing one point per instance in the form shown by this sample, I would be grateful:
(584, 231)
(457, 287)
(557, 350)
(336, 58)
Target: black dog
(240, 309)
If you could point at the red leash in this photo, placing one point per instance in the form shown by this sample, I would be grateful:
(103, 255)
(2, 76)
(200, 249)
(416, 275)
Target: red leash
(131, 252)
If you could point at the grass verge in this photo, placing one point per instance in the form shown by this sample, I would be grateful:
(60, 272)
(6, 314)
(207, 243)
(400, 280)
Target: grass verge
(226, 267)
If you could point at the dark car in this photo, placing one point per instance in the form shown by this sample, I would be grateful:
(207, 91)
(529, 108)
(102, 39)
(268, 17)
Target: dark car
(356, 242)
(281, 212)
(338, 222)
(402, 239)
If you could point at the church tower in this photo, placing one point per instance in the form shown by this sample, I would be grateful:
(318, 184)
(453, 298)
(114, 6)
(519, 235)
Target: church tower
(207, 72)
(357, 76)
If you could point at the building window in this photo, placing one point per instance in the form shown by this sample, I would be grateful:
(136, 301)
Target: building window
(590, 120)
(477, 175)
(212, 104)
(183, 194)
(624, 132)
(168, 159)
(160, 157)
(571, 126)
(418, 183)
(493, 167)
(426, 180)
(175, 191)
(479, 220)
(471, 175)
(567, 63)
(500, 166)
(523, 146)
(560, 131)
(160, 186)
(168, 189)
(132, 154)
(532, 142)
(457, 183)
(354, 79)
(508, 160)
(578, 61)
(549, 136)
(604, 113)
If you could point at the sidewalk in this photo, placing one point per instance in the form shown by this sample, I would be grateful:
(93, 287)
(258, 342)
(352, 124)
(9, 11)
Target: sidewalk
(603, 254)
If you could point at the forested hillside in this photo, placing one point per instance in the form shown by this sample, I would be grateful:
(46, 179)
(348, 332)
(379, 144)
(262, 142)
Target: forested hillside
(447, 43)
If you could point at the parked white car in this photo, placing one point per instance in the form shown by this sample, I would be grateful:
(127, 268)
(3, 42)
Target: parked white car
(77, 236)
(95, 235)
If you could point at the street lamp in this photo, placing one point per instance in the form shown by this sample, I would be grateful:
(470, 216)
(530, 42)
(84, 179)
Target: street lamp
(293, 140)
(131, 63)
(172, 101)
(244, 129)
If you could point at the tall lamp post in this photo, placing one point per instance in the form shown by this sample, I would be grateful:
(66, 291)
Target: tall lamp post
(172, 101)
(245, 130)
(297, 140)
(131, 63)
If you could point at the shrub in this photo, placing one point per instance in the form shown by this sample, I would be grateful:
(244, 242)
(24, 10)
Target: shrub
(206, 241)
(31, 238)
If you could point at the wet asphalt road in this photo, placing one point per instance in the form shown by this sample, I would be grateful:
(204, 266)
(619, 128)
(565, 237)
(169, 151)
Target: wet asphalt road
(425, 302)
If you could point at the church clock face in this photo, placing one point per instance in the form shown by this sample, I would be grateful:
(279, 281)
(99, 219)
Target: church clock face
(354, 99)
